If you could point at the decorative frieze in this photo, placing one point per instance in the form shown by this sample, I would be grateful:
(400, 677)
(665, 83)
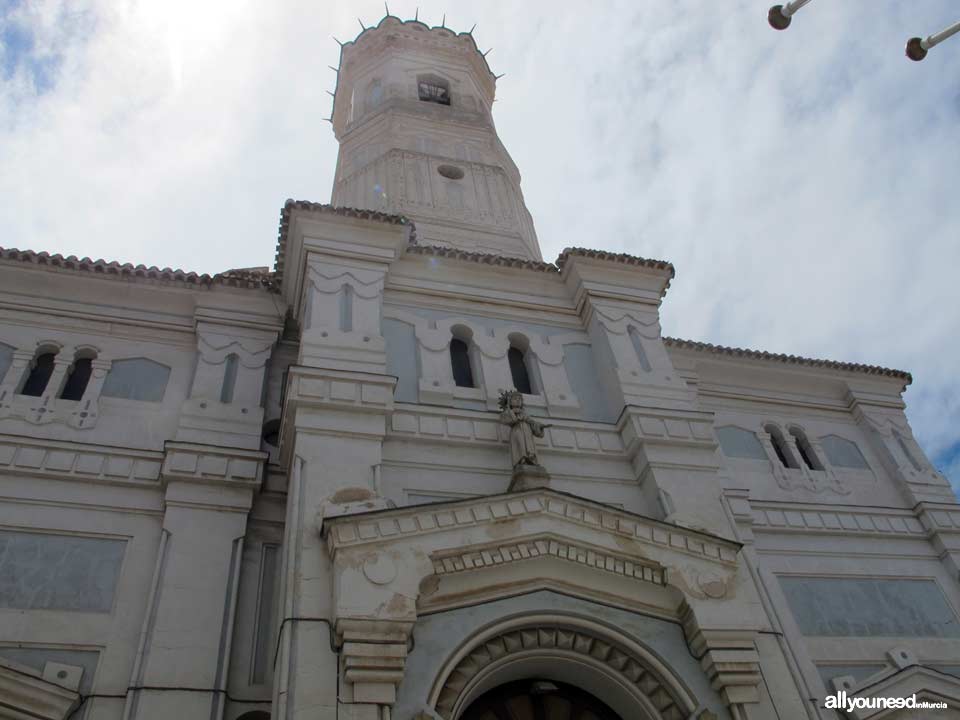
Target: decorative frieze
(445, 563)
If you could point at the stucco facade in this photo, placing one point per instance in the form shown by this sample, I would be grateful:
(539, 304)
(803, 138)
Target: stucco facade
(291, 493)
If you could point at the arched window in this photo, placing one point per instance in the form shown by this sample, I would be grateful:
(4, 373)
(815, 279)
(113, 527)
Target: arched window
(807, 453)
(431, 88)
(78, 379)
(780, 447)
(638, 348)
(519, 371)
(229, 378)
(39, 375)
(906, 452)
(460, 363)
(136, 379)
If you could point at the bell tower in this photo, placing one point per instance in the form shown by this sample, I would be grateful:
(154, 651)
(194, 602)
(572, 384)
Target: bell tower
(412, 113)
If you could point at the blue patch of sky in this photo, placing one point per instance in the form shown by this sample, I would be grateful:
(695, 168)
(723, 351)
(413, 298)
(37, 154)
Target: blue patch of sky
(18, 52)
(948, 462)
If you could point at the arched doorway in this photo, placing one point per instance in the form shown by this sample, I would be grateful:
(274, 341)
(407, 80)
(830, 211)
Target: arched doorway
(538, 700)
(625, 680)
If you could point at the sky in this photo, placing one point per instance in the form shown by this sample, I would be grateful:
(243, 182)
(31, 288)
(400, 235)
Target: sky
(804, 183)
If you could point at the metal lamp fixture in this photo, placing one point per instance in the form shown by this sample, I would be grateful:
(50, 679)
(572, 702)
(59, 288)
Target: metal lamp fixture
(780, 16)
(917, 47)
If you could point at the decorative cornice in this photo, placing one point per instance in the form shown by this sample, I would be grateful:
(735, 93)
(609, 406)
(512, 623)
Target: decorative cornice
(621, 258)
(378, 526)
(681, 344)
(250, 279)
(290, 205)
(467, 559)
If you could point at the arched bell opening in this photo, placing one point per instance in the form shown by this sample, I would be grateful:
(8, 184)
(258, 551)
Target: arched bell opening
(538, 700)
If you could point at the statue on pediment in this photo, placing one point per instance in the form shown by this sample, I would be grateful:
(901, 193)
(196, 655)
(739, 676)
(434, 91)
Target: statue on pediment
(523, 430)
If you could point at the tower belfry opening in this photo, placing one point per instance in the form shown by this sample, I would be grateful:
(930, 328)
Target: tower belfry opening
(412, 113)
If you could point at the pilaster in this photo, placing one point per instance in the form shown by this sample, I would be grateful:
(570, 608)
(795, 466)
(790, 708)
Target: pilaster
(185, 646)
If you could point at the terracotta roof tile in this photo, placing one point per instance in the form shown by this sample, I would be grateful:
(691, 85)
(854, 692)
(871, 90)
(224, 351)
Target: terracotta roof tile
(483, 258)
(790, 359)
(290, 205)
(623, 258)
(112, 268)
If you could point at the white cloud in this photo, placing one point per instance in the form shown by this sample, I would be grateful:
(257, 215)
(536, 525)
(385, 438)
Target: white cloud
(803, 182)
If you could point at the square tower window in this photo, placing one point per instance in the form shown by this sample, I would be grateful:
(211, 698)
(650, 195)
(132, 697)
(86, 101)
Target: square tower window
(433, 89)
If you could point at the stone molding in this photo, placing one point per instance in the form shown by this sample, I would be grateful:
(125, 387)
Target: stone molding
(26, 695)
(457, 426)
(728, 657)
(339, 389)
(368, 528)
(60, 460)
(560, 638)
(783, 517)
(688, 428)
(372, 655)
(213, 465)
(473, 558)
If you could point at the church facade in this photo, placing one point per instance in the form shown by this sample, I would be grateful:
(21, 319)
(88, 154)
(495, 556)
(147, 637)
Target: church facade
(415, 471)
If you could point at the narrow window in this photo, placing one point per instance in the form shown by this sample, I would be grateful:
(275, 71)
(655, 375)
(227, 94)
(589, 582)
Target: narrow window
(905, 451)
(518, 371)
(433, 89)
(780, 447)
(638, 348)
(77, 382)
(806, 450)
(39, 375)
(229, 378)
(460, 363)
(346, 308)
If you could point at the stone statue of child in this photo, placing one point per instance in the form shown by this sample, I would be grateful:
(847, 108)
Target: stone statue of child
(523, 429)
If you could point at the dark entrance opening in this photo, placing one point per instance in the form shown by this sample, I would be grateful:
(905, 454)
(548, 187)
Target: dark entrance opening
(538, 700)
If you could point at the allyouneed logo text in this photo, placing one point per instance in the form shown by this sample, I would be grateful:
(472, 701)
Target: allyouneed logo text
(843, 701)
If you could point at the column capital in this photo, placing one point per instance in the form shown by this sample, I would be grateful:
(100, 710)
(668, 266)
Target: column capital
(372, 657)
(729, 657)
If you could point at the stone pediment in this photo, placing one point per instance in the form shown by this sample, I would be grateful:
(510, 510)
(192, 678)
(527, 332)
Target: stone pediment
(392, 563)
